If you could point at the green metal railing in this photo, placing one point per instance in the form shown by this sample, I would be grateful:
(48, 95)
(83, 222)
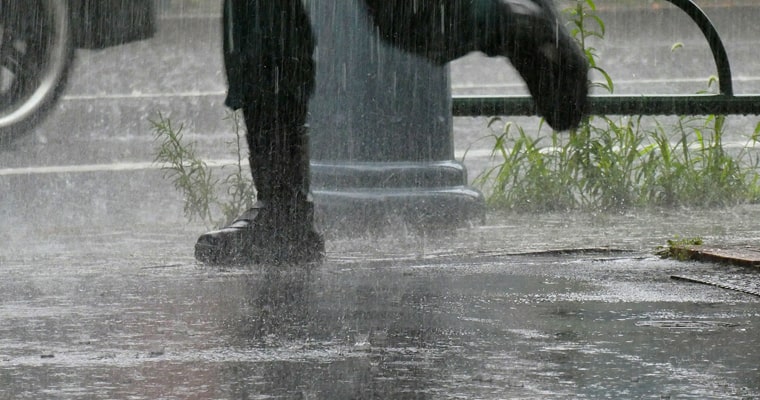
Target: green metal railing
(725, 102)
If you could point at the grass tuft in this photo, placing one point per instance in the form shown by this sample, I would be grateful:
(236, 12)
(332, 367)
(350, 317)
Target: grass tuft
(205, 196)
(615, 164)
(677, 248)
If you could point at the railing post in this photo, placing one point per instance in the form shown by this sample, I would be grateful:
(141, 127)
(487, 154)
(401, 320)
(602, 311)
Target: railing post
(713, 39)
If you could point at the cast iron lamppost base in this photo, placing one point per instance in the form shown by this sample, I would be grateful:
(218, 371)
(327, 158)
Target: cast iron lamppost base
(381, 131)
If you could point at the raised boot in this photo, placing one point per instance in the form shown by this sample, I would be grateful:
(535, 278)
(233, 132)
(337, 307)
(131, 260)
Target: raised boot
(529, 33)
(533, 37)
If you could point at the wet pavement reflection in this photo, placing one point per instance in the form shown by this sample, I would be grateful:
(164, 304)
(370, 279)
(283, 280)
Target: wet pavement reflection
(100, 296)
(389, 317)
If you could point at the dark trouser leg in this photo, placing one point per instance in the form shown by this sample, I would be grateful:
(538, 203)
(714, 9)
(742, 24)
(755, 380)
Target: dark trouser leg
(271, 77)
(528, 32)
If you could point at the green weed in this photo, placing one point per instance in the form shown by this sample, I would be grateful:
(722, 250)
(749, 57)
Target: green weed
(205, 196)
(678, 248)
(605, 164)
(614, 164)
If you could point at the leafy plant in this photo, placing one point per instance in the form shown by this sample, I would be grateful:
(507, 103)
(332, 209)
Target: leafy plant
(189, 173)
(239, 186)
(196, 181)
(612, 164)
(528, 178)
(580, 29)
(678, 248)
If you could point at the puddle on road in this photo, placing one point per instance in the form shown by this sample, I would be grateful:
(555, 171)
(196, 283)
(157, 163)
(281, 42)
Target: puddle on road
(130, 315)
(687, 324)
(419, 327)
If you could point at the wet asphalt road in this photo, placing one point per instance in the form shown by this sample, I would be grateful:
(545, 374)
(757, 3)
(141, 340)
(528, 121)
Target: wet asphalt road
(476, 314)
(100, 296)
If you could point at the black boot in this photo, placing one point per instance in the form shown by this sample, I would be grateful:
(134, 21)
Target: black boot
(284, 232)
(263, 234)
(231, 244)
(280, 227)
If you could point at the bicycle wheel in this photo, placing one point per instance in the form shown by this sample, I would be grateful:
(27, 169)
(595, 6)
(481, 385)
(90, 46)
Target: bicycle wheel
(36, 49)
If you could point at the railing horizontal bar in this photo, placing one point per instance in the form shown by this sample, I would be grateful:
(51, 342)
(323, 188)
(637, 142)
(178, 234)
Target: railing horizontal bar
(463, 106)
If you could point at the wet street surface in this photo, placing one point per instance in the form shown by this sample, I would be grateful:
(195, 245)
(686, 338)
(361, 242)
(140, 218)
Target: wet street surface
(483, 313)
(100, 296)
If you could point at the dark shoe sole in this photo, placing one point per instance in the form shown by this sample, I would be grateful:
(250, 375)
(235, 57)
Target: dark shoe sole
(249, 242)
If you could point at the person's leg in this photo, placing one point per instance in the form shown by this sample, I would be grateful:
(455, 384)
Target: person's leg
(528, 32)
(268, 57)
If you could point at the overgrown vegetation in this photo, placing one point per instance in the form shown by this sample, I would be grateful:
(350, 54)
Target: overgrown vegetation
(678, 248)
(605, 164)
(613, 164)
(205, 196)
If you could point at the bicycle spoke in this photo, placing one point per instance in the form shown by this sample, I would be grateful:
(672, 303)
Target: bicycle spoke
(11, 57)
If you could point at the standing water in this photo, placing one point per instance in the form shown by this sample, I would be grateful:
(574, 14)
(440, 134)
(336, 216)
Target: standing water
(101, 297)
